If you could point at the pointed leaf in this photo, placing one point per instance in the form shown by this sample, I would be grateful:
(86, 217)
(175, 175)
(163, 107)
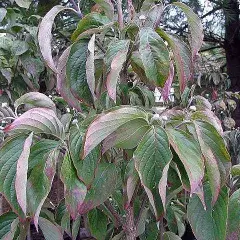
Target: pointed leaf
(182, 57)
(106, 124)
(107, 6)
(62, 86)
(35, 99)
(103, 186)
(10, 152)
(89, 21)
(90, 68)
(49, 230)
(37, 120)
(6, 221)
(195, 26)
(76, 71)
(45, 35)
(21, 174)
(190, 155)
(209, 224)
(155, 56)
(75, 190)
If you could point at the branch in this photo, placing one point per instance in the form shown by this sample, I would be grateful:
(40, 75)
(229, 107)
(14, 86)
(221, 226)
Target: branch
(120, 14)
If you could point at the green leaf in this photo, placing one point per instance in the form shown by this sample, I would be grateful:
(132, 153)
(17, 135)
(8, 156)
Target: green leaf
(107, 6)
(233, 226)
(105, 183)
(91, 20)
(76, 71)
(86, 168)
(235, 171)
(37, 120)
(23, 3)
(40, 181)
(151, 156)
(19, 47)
(135, 130)
(10, 152)
(6, 221)
(195, 26)
(182, 57)
(215, 143)
(106, 124)
(97, 223)
(21, 174)
(155, 56)
(209, 224)
(75, 190)
(170, 236)
(3, 13)
(35, 99)
(50, 230)
(188, 150)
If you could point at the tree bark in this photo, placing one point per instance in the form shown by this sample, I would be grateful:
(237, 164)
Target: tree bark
(232, 48)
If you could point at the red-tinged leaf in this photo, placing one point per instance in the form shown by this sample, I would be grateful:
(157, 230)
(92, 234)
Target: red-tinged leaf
(21, 174)
(105, 183)
(14, 227)
(165, 91)
(76, 71)
(74, 190)
(182, 57)
(155, 56)
(107, 6)
(62, 86)
(188, 151)
(50, 230)
(113, 76)
(40, 181)
(163, 185)
(45, 35)
(10, 152)
(35, 99)
(107, 123)
(90, 68)
(37, 120)
(195, 26)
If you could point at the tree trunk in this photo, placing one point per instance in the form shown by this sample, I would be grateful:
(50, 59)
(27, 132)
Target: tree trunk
(232, 48)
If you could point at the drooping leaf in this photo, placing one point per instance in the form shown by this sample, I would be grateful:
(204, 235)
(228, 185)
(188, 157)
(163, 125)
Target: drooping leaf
(6, 221)
(62, 86)
(182, 57)
(23, 3)
(170, 236)
(40, 182)
(97, 223)
(74, 190)
(195, 26)
(76, 71)
(233, 226)
(155, 56)
(154, 15)
(216, 148)
(113, 76)
(50, 230)
(105, 183)
(37, 120)
(91, 20)
(135, 130)
(209, 224)
(107, 6)
(9, 155)
(90, 68)
(151, 156)
(86, 167)
(45, 35)
(189, 153)
(35, 99)
(21, 174)
(106, 124)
